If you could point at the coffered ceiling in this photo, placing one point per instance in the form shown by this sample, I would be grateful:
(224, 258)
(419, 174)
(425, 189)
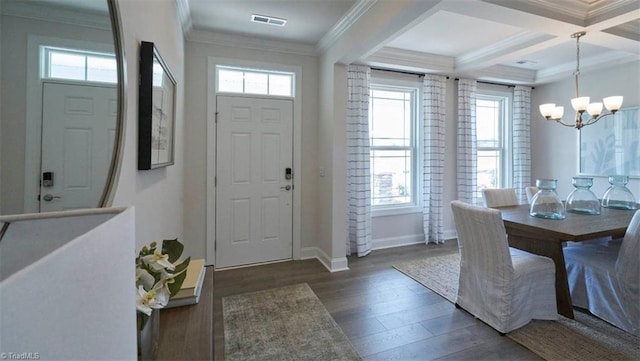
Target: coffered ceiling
(516, 41)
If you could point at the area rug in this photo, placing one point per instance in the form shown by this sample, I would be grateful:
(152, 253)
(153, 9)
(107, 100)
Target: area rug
(585, 338)
(287, 323)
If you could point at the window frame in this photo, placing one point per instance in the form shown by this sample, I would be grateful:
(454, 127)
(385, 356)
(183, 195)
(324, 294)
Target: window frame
(46, 52)
(266, 72)
(505, 147)
(402, 82)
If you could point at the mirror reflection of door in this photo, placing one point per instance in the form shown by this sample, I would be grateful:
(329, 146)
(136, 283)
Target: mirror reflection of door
(48, 41)
(78, 125)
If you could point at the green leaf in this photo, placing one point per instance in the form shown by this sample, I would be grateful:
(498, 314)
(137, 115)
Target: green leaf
(182, 266)
(173, 248)
(179, 279)
(141, 320)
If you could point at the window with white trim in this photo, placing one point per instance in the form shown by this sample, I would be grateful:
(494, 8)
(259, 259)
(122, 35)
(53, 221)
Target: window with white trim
(72, 64)
(392, 129)
(492, 129)
(254, 81)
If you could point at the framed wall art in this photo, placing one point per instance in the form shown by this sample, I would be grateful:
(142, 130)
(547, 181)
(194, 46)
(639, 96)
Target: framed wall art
(156, 110)
(612, 145)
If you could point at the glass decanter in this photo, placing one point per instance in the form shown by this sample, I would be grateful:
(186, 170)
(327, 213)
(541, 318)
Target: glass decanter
(545, 203)
(618, 196)
(582, 200)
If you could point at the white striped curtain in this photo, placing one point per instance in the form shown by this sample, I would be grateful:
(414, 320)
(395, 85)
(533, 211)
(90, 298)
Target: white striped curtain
(521, 141)
(467, 155)
(358, 169)
(433, 135)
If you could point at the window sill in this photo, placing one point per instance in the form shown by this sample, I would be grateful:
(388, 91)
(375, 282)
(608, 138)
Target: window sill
(384, 212)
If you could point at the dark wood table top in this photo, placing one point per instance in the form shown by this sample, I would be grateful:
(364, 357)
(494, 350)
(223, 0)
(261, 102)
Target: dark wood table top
(576, 227)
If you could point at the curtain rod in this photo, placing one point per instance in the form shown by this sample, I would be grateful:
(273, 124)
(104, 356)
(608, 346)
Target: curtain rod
(492, 83)
(400, 71)
(422, 74)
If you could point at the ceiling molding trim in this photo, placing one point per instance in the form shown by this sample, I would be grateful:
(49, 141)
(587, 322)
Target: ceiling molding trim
(602, 8)
(411, 60)
(626, 31)
(239, 41)
(602, 61)
(509, 45)
(35, 11)
(184, 15)
(574, 9)
(347, 20)
(506, 74)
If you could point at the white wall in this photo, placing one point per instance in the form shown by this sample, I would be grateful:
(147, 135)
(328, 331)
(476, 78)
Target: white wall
(157, 195)
(554, 147)
(196, 163)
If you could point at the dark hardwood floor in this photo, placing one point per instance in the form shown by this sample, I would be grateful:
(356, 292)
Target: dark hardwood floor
(385, 314)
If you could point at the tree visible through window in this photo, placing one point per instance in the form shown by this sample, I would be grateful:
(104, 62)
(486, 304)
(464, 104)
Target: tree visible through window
(393, 145)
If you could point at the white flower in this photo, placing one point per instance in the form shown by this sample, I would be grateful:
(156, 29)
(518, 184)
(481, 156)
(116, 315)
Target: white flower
(144, 278)
(146, 301)
(158, 261)
(142, 301)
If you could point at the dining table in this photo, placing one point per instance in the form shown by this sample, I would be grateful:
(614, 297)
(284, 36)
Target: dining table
(547, 237)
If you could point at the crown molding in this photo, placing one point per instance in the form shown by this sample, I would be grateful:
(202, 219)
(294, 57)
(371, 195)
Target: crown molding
(36, 11)
(506, 74)
(347, 20)
(240, 41)
(184, 15)
(522, 40)
(602, 61)
(411, 60)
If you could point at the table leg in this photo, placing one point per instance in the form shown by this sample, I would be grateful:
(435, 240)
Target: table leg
(552, 250)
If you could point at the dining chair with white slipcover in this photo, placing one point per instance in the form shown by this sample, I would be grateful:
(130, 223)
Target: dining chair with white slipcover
(502, 286)
(499, 197)
(604, 278)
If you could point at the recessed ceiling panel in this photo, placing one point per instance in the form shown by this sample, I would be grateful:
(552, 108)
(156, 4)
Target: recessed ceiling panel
(451, 34)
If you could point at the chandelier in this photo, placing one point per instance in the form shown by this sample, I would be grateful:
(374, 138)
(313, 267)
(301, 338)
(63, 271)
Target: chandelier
(581, 104)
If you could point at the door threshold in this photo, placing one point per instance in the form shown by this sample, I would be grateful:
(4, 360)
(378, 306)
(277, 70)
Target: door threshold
(252, 264)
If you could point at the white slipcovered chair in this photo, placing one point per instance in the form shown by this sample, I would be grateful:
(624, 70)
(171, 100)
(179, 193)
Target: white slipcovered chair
(531, 191)
(604, 278)
(502, 286)
(499, 197)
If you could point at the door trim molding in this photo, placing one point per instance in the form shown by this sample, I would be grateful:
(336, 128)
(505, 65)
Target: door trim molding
(210, 213)
(33, 113)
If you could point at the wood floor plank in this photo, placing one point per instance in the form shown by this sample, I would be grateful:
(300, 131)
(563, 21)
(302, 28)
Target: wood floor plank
(384, 313)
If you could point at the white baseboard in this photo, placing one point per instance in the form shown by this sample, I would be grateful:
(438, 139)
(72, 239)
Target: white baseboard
(332, 265)
(390, 242)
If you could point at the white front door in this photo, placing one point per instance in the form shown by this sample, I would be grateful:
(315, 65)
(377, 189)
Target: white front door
(254, 197)
(78, 133)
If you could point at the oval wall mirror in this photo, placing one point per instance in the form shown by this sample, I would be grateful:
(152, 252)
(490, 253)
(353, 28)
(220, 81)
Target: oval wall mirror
(61, 106)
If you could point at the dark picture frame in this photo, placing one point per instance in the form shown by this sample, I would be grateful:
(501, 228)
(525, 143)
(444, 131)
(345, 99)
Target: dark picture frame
(156, 110)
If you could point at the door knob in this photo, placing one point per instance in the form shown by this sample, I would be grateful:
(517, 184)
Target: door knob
(50, 197)
(286, 188)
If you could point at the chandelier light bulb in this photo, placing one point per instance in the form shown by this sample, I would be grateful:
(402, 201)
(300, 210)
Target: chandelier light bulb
(557, 114)
(547, 109)
(594, 109)
(580, 104)
(613, 103)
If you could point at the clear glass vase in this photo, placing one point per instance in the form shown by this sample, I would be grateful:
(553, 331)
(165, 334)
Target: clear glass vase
(582, 200)
(545, 203)
(618, 196)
